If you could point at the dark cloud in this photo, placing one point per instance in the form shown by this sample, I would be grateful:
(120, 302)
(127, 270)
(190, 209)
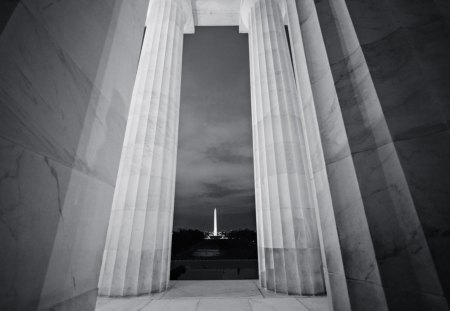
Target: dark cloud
(229, 153)
(221, 190)
(214, 190)
(215, 160)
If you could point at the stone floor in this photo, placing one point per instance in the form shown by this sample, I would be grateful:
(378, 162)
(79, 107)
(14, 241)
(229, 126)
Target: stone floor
(221, 295)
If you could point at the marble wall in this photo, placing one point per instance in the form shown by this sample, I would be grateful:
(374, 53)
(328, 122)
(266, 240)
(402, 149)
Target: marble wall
(389, 77)
(6, 10)
(64, 97)
(406, 46)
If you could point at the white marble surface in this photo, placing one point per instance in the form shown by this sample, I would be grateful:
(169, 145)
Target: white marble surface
(395, 229)
(333, 139)
(50, 121)
(327, 230)
(221, 295)
(407, 54)
(424, 161)
(97, 36)
(213, 289)
(137, 252)
(409, 76)
(288, 245)
(6, 10)
(344, 214)
(63, 112)
(82, 123)
(216, 12)
(27, 178)
(368, 134)
(363, 117)
(410, 106)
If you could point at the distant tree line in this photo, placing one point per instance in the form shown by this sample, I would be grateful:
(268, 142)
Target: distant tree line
(184, 239)
(242, 234)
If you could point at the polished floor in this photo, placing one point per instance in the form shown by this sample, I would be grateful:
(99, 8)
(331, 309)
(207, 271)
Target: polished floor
(220, 295)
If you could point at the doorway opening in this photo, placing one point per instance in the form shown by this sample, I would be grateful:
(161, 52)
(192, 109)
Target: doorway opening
(214, 236)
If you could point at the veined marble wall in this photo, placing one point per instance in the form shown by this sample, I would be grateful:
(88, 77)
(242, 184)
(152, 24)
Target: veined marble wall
(6, 10)
(64, 97)
(406, 266)
(406, 46)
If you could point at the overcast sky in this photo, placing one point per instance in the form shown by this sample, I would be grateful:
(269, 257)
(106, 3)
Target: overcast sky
(215, 158)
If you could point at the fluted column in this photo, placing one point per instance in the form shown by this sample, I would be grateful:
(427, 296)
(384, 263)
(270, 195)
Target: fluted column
(396, 270)
(137, 253)
(288, 243)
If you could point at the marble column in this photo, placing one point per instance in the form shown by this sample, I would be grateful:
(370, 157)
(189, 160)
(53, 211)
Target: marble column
(137, 253)
(351, 262)
(408, 275)
(336, 286)
(288, 243)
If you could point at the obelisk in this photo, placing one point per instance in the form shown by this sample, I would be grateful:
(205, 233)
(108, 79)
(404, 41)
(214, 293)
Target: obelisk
(215, 222)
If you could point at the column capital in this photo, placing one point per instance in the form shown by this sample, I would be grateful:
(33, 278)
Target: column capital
(247, 5)
(186, 6)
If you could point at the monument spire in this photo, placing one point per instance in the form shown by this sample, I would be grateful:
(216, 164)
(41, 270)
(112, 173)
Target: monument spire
(215, 222)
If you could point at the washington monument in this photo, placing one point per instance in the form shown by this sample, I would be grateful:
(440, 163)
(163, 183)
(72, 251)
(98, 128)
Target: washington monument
(215, 222)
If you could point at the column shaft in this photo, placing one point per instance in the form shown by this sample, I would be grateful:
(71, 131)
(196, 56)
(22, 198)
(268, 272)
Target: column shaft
(137, 253)
(288, 243)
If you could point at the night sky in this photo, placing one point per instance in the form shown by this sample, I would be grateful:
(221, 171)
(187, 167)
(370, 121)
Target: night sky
(215, 157)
